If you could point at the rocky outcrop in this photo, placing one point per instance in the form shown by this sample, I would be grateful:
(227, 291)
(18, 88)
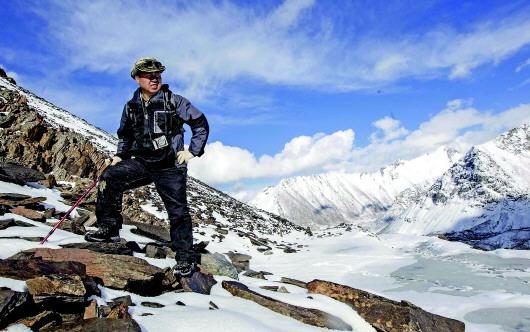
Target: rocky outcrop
(115, 271)
(15, 173)
(307, 316)
(384, 314)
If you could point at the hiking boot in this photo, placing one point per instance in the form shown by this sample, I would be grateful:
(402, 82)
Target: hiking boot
(183, 268)
(103, 234)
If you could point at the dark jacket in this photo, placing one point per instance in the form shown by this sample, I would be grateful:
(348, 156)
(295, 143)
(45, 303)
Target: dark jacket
(164, 114)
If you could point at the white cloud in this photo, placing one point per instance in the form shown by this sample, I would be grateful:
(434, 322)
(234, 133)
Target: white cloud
(391, 129)
(459, 125)
(224, 164)
(207, 44)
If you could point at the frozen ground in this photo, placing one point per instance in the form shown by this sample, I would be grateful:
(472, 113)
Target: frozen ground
(489, 291)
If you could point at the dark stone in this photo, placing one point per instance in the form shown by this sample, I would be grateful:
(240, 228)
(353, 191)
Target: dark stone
(313, 317)
(213, 305)
(14, 305)
(152, 304)
(198, 283)
(157, 233)
(180, 303)
(123, 299)
(255, 274)
(6, 223)
(15, 173)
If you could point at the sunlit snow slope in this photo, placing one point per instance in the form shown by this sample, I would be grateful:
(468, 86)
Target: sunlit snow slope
(483, 199)
(332, 198)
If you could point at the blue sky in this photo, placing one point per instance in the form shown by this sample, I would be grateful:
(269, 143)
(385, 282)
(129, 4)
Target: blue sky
(289, 87)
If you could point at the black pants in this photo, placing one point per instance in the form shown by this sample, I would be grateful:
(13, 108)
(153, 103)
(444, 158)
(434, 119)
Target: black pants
(171, 186)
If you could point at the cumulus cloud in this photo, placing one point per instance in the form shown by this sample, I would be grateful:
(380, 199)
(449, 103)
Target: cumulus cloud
(272, 45)
(390, 128)
(458, 125)
(224, 164)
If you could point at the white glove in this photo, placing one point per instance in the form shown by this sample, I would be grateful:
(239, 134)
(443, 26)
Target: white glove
(184, 156)
(113, 161)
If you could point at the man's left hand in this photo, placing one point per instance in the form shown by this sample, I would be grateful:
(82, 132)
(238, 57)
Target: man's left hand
(184, 156)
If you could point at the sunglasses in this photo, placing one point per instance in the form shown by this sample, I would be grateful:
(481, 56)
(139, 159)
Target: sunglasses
(150, 76)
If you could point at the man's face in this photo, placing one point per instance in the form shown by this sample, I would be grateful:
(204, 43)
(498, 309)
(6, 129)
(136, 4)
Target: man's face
(149, 82)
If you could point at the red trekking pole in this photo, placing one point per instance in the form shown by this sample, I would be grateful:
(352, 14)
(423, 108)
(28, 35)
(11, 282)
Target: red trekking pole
(87, 191)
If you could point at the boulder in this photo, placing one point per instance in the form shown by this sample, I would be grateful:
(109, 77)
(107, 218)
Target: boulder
(385, 314)
(13, 305)
(15, 173)
(115, 271)
(217, 264)
(313, 317)
(26, 266)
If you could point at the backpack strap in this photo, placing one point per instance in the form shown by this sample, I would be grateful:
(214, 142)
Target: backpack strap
(171, 106)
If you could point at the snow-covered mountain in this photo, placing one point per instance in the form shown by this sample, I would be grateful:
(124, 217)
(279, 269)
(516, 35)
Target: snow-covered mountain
(483, 199)
(333, 198)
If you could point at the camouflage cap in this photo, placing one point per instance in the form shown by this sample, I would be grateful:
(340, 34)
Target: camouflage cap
(147, 65)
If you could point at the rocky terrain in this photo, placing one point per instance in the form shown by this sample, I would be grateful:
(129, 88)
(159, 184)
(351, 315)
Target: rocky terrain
(70, 285)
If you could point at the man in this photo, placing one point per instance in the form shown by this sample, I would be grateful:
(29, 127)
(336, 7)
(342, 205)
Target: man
(151, 149)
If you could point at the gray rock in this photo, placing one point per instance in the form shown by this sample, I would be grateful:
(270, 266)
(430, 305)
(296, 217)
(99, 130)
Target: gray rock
(155, 251)
(217, 264)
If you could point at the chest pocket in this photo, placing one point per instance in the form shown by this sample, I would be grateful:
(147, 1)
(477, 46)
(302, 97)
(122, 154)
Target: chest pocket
(162, 122)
